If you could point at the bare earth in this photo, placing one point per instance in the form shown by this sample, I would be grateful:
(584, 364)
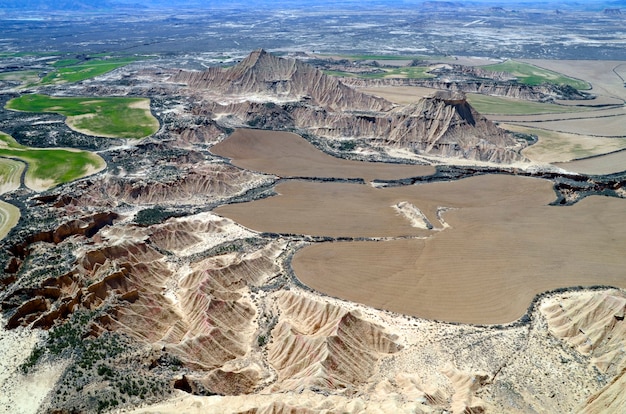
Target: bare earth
(493, 219)
(289, 155)
(475, 272)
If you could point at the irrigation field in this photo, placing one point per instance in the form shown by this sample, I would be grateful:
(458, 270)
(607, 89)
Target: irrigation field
(48, 167)
(114, 117)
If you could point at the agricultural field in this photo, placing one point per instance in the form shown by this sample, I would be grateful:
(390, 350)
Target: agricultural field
(9, 216)
(533, 75)
(409, 72)
(113, 117)
(10, 174)
(413, 274)
(72, 70)
(50, 167)
(507, 106)
(555, 146)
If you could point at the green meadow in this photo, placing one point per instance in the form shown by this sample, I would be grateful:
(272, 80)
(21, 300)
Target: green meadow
(117, 117)
(534, 75)
(49, 166)
(71, 70)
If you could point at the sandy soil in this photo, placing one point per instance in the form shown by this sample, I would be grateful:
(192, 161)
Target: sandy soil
(9, 216)
(19, 393)
(304, 401)
(399, 94)
(289, 155)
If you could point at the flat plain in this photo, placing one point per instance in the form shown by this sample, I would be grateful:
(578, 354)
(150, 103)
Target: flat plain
(289, 155)
(493, 242)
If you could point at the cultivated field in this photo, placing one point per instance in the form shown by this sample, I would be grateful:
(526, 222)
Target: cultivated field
(554, 146)
(70, 70)
(534, 75)
(399, 94)
(604, 164)
(488, 265)
(10, 173)
(289, 155)
(475, 250)
(106, 117)
(509, 106)
(9, 216)
(49, 167)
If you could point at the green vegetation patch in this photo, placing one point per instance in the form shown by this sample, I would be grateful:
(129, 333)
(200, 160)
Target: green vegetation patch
(507, 106)
(534, 75)
(410, 72)
(107, 117)
(50, 167)
(84, 70)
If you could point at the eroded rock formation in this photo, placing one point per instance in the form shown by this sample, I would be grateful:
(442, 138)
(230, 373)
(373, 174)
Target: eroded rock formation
(444, 124)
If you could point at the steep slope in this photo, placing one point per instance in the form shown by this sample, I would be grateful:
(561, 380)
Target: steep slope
(264, 74)
(269, 92)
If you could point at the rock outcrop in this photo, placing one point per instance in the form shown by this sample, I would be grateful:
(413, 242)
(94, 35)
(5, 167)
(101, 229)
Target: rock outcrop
(302, 97)
(268, 76)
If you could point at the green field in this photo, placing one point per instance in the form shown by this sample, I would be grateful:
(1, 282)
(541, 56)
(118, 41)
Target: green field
(107, 117)
(85, 70)
(507, 106)
(50, 167)
(534, 75)
(410, 72)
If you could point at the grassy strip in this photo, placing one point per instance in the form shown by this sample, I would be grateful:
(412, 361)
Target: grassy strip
(50, 167)
(409, 72)
(534, 75)
(107, 117)
(85, 70)
(507, 106)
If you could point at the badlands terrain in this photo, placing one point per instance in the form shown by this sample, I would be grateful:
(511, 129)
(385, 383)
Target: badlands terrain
(316, 234)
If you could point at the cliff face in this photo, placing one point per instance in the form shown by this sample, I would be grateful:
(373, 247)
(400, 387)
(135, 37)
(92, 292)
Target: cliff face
(287, 79)
(444, 124)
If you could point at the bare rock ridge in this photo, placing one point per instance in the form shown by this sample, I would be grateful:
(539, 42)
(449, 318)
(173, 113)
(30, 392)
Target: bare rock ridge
(444, 124)
(266, 74)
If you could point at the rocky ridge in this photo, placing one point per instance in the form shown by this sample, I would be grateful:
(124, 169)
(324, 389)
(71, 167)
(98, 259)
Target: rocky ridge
(304, 98)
